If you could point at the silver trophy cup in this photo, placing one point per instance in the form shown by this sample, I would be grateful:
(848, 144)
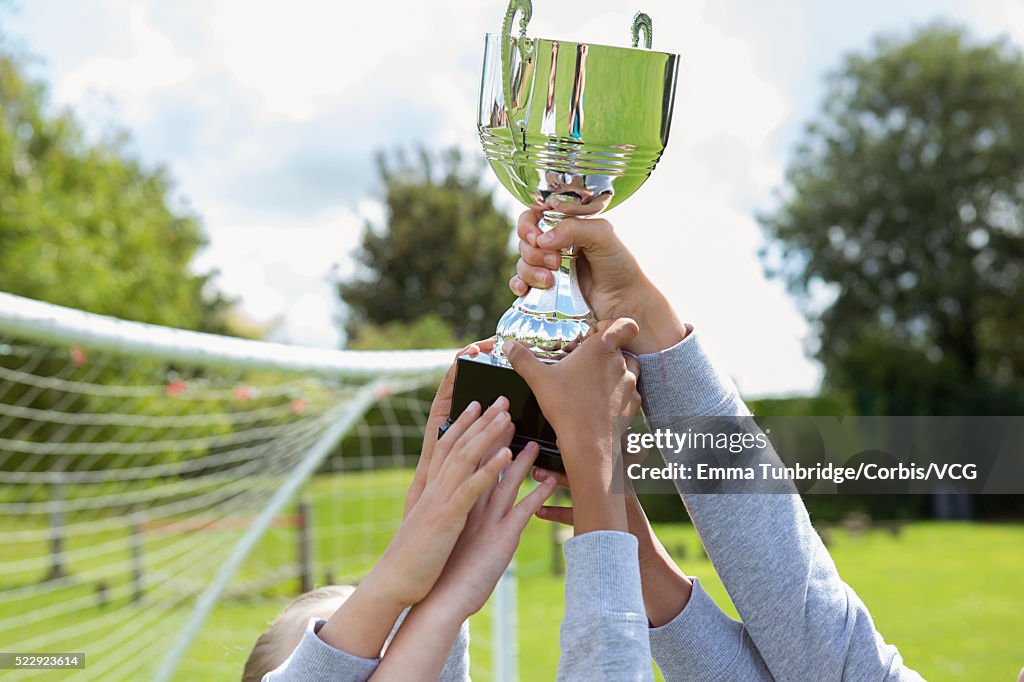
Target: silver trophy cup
(582, 123)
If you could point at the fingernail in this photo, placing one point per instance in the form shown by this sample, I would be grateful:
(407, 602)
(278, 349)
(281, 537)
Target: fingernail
(552, 260)
(549, 479)
(501, 416)
(546, 238)
(472, 407)
(541, 474)
(501, 403)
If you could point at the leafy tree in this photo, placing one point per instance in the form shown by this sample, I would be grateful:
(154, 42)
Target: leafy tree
(443, 251)
(85, 225)
(901, 227)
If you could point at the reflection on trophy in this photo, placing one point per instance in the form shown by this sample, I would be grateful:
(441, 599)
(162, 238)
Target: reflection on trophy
(585, 124)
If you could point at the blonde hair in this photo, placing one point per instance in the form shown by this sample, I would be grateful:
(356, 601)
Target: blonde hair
(282, 636)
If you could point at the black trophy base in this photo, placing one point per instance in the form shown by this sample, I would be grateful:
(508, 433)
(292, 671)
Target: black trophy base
(480, 378)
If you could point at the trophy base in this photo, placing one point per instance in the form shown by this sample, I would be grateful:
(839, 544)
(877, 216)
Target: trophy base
(484, 379)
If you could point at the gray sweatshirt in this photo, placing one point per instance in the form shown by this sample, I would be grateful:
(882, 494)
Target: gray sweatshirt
(800, 620)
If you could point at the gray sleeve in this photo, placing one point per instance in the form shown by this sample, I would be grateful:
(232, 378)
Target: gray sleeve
(604, 632)
(703, 644)
(456, 668)
(804, 620)
(314, 659)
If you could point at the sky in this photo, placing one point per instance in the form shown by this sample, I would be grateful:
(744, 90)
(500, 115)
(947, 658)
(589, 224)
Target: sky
(267, 115)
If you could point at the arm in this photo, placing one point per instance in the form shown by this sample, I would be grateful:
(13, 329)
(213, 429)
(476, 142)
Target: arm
(481, 555)
(691, 638)
(452, 474)
(604, 632)
(778, 573)
(314, 659)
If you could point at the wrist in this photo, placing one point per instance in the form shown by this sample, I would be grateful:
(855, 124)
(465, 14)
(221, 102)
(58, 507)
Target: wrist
(382, 587)
(363, 622)
(660, 327)
(604, 511)
(443, 612)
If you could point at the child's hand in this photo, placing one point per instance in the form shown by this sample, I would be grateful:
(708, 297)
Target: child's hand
(584, 397)
(440, 408)
(481, 555)
(463, 464)
(609, 276)
(490, 538)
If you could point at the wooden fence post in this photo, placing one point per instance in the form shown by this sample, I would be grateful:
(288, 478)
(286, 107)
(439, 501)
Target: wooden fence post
(305, 528)
(57, 570)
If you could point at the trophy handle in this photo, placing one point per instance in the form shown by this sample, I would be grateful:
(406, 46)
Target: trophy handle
(642, 22)
(525, 8)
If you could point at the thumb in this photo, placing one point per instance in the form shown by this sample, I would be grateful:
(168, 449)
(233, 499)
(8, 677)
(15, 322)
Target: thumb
(620, 332)
(594, 235)
(523, 361)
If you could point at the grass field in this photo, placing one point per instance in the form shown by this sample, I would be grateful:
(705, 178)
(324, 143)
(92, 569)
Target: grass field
(950, 596)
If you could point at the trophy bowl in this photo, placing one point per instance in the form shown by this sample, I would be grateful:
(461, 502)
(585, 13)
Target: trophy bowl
(582, 123)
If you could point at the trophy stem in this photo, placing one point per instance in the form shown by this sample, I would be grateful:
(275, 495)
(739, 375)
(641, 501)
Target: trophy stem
(550, 322)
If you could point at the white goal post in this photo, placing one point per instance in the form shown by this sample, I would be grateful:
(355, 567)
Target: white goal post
(129, 449)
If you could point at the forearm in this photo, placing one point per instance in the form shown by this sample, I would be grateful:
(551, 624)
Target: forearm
(660, 326)
(666, 588)
(427, 645)
(362, 624)
(589, 466)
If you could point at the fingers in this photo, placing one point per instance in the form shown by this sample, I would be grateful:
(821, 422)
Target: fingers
(620, 332)
(591, 234)
(528, 228)
(505, 494)
(454, 432)
(523, 362)
(561, 515)
(481, 481)
(442, 402)
(539, 277)
(475, 349)
(521, 514)
(483, 437)
(539, 257)
(539, 474)
(518, 286)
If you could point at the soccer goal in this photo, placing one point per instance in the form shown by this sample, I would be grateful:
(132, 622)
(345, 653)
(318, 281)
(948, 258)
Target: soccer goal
(162, 490)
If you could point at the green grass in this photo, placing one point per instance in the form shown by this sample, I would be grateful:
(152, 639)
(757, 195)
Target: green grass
(950, 596)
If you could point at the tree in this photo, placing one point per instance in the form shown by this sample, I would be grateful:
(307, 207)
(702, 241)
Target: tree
(85, 225)
(901, 227)
(443, 251)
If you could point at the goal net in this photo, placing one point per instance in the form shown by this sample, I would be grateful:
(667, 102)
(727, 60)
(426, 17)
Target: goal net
(163, 493)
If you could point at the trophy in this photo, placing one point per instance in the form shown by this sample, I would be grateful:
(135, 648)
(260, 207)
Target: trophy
(581, 123)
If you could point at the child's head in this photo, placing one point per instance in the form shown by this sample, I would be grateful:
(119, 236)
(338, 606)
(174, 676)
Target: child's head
(277, 641)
